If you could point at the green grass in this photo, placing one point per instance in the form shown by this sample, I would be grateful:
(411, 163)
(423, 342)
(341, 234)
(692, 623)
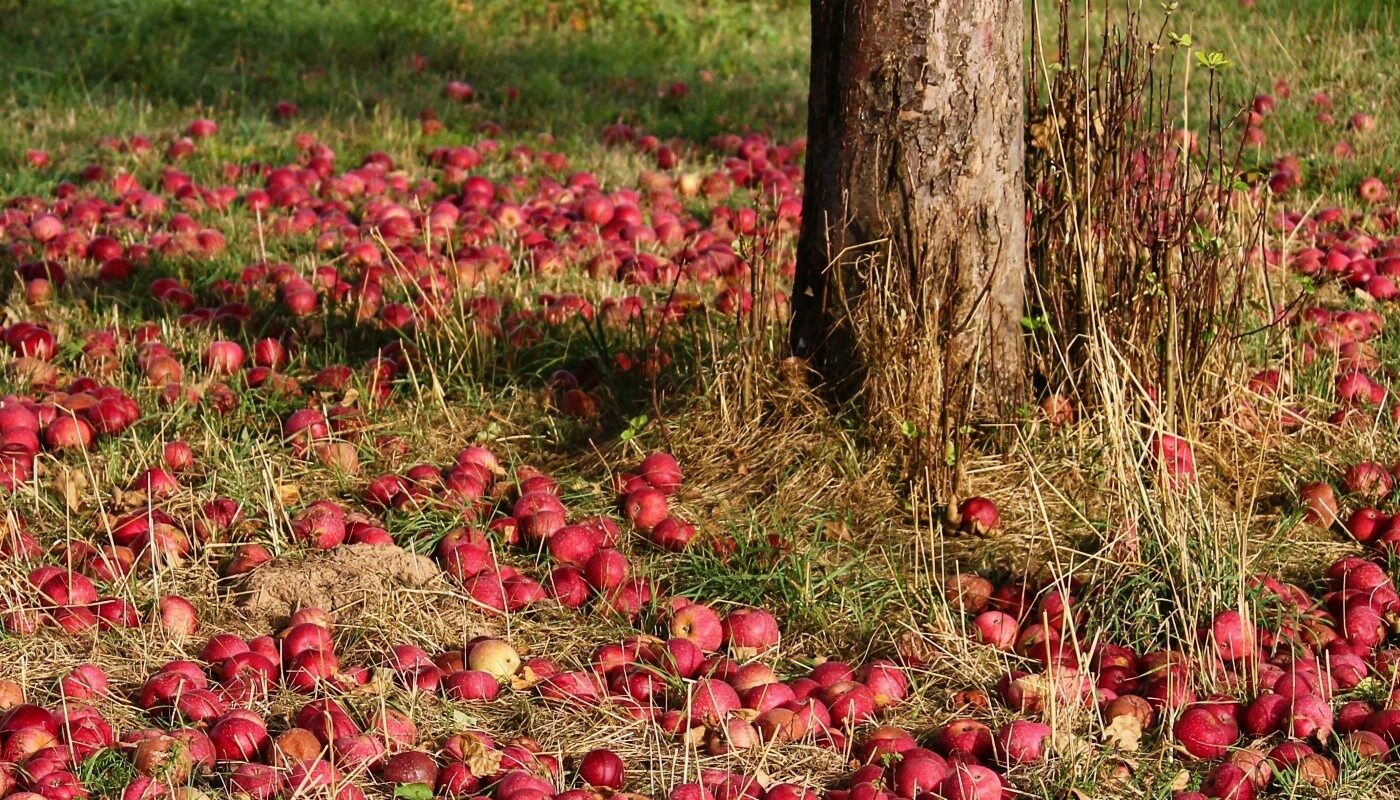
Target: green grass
(107, 773)
(80, 69)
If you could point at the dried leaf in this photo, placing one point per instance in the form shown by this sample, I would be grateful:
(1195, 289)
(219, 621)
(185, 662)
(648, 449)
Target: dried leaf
(1043, 133)
(1037, 685)
(1069, 746)
(744, 653)
(481, 760)
(1124, 732)
(747, 714)
(71, 485)
(764, 779)
(380, 681)
(1181, 781)
(695, 736)
(127, 499)
(524, 679)
(288, 494)
(835, 530)
(915, 649)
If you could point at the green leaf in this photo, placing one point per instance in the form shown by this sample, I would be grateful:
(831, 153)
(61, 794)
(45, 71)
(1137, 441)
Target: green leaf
(909, 429)
(414, 791)
(1213, 60)
(1179, 39)
(1035, 324)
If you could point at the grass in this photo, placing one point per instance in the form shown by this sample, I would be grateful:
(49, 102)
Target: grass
(793, 514)
(350, 67)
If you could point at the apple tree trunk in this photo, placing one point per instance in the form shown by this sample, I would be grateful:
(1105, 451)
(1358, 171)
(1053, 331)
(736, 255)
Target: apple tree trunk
(910, 287)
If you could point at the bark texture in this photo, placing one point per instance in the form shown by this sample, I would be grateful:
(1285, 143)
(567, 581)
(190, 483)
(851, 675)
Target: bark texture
(911, 261)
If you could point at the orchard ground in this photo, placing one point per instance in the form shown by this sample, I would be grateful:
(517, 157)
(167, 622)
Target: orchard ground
(517, 337)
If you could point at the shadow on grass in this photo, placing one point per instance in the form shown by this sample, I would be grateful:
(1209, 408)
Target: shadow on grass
(577, 64)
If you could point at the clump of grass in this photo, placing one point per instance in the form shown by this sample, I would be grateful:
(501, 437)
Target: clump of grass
(107, 773)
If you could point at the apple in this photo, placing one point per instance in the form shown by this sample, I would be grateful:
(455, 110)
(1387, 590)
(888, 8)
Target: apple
(1206, 732)
(494, 657)
(471, 686)
(1372, 190)
(410, 766)
(178, 616)
(700, 624)
(978, 516)
(712, 700)
(602, 769)
(573, 544)
(672, 534)
(662, 472)
(606, 570)
(1233, 636)
(918, 775)
(967, 592)
(751, 628)
(645, 508)
(996, 629)
(1021, 742)
(971, 782)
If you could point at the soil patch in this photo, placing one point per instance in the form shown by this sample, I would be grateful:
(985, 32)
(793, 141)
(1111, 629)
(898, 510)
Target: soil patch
(385, 593)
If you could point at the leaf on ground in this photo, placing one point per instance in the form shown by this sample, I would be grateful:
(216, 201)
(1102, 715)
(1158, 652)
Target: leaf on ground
(1124, 732)
(71, 484)
(836, 530)
(381, 681)
(288, 494)
(1070, 746)
(481, 761)
(524, 679)
(1037, 685)
(695, 736)
(413, 791)
(127, 499)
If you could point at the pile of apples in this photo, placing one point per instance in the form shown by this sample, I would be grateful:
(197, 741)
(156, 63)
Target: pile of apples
(58, 422)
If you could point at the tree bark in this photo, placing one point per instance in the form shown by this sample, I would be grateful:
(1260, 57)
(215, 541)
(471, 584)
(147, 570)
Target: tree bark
(911, 259)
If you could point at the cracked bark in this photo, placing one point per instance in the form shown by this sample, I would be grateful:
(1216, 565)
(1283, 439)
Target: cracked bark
(914, 205)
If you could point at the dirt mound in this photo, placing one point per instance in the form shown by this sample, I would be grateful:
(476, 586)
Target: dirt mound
(385, 592)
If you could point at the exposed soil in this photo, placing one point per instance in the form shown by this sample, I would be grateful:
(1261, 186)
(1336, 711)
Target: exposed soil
(369, 587)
